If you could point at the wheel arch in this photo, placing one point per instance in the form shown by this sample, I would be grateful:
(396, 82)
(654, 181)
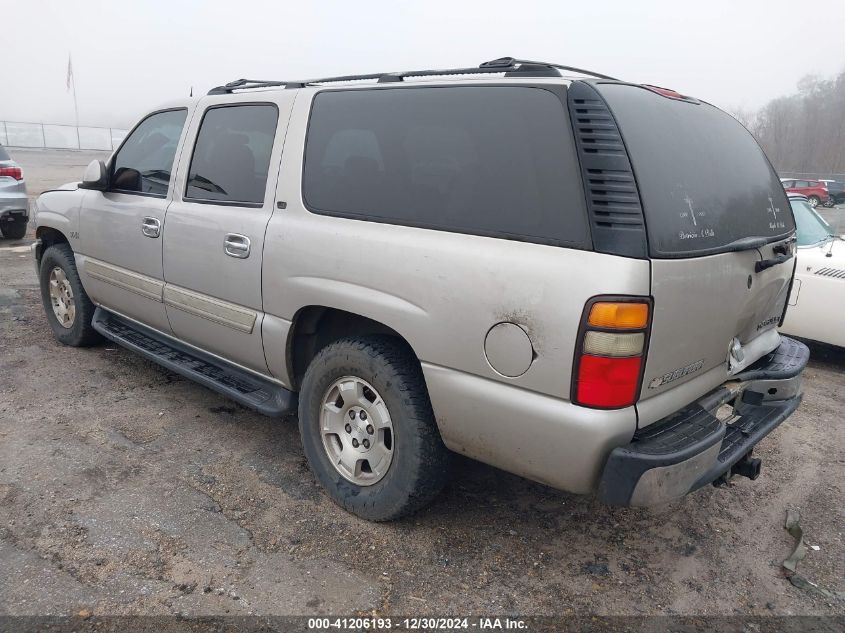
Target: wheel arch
(316, 326)
(47, 236)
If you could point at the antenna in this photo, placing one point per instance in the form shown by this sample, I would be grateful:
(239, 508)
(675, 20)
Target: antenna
(837, 235)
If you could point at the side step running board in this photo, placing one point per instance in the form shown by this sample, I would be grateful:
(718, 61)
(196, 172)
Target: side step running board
(246, 388)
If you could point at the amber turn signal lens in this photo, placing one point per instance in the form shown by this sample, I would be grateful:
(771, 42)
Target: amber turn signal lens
(628, 316)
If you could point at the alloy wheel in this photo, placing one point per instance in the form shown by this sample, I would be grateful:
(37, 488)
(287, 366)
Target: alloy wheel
(357, 431)
(61, 298)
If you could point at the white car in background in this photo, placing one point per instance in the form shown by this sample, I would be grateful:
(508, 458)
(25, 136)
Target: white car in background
(817, 300)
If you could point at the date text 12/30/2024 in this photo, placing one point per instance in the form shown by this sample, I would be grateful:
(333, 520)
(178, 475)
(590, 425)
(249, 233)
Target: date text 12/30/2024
(416, 624)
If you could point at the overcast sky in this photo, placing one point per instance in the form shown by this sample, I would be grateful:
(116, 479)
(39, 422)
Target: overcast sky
(129, 56)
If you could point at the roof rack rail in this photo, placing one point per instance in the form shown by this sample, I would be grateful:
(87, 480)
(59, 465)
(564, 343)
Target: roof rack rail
(527, 66)
(510, 66)
(245, 84)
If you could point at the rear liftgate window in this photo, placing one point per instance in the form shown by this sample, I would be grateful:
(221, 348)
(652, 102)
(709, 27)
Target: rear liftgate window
(495, 161)
(703, 180)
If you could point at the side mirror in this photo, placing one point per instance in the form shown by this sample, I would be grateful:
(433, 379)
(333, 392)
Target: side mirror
(95, 176)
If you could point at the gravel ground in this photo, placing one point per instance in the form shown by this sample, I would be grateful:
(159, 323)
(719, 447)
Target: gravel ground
(125, 489)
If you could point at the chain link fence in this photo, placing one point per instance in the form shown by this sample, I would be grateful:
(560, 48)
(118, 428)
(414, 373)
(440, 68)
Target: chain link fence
(811, 175)
(57, 136)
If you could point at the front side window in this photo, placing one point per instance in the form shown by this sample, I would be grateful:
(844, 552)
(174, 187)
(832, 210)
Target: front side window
(232, 154)
(144, 163)
(496, 161)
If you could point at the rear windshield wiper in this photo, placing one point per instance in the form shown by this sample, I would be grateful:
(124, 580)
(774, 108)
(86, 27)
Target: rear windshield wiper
(745, 244)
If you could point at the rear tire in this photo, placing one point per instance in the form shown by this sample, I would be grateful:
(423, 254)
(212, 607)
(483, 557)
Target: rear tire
(380, 381)
(64, 298)
(814, 201)
(15, 229)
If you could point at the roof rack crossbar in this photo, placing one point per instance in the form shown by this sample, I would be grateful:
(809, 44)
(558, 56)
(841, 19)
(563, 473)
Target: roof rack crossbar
(510, 66)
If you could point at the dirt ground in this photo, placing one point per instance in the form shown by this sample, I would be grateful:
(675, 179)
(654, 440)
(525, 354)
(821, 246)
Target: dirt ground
(126, 489)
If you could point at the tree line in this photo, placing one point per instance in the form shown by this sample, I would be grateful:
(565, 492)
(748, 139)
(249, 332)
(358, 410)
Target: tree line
(803, 133)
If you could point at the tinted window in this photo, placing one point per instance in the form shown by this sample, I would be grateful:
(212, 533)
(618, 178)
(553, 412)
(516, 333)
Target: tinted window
(802, 183)
(232, 154)
(488, 160)
(703, 180)
(3, 154)
(145, 161)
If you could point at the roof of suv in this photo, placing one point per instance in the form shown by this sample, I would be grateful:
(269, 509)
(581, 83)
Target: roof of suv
(508, 66)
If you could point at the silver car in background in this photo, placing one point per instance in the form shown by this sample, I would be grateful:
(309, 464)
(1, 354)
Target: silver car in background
(14, 206)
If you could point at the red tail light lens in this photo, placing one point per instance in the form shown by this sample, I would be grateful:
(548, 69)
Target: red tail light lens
(611, 351)
(13, 172)
(608, 382)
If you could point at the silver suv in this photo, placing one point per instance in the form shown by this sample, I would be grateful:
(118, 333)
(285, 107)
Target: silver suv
(578, 280)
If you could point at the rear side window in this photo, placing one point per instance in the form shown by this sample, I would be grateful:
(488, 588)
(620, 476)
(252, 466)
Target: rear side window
(144, 163)
(231, 157)
(496, 161)
(703, 180)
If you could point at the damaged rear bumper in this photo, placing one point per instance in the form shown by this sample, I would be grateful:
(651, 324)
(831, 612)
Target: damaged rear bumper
(693, 447)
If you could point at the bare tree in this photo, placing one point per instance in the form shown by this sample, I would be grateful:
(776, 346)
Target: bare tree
(747, 117)
(804, 132)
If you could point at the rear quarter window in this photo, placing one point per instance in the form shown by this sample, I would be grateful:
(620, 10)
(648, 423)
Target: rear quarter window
(495, 160)
(703, 179)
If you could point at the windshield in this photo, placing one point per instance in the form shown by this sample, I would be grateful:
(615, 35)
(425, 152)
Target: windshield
(810, 226)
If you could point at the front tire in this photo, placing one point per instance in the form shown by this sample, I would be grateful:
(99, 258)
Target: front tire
(69, 310)
(814, 201)
(368, 429)
(14, 229)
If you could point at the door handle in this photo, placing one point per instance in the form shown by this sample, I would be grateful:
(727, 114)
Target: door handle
(236, 245)
(151, 227)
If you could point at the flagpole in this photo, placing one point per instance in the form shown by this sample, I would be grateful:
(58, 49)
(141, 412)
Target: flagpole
(72, 78)
(76, 110)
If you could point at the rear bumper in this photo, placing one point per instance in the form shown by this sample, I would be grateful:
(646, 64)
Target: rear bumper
(12, 214)
(692, 447)
(13, 204)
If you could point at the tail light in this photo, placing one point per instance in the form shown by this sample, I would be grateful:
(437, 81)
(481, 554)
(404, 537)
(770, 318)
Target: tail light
(610, 356)
(12, 172)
